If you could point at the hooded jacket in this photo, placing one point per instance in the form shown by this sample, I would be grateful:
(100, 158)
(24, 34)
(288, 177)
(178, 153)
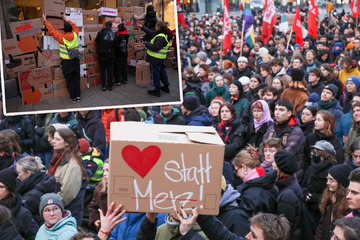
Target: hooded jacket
(92, 129)
(198, 117)
(344, 75)
(59, 36)
(333, 107)
(31, 190)
(121, 35)
(297, 94)
(62, 230)
(216, 91)
(69, 120)
(173, 118)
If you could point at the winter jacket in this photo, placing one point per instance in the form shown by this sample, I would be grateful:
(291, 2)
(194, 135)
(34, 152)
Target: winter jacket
(92, 129)
(345, 101)
(350, 162)
(129, 228)
(193, 89)
(121, 35)
(107, 117)
(314, 182)
(217, 92)
(105, 48)
(317, 136)
(93, 162)
(68, 120)
(7, 161)
(71, 186)
(198, 117)
(253, 137)
(24, 128)
(62, 230)
(236, 140)
(288, 203)
(353, 134)
(344, 75)
(240, 106)
(333, 107)
(174, 118)
(40, 137)
(166, 231)
(158, 44)
(99, 201)
(258, 194)
(343, 127)
(22, 219)
(317, 88)
(283, 76)
(32, 189)
(297, 94)
(247, 72)
(307, 128)
(290, 132)
(9, 232)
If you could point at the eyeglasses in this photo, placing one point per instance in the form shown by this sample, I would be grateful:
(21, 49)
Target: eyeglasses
(54, 210)
(236, 170)
(330, 180)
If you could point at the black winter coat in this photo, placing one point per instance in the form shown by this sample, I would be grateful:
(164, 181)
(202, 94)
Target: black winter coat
(307, 128)
(158, 44)
(24, 128)
(258, 194)
(253, 137)
(23, 219)
(32, 189)
(317, 136)
(288, 203)
(238, 73)
(314, 182)
(8, 231)
(93, 130)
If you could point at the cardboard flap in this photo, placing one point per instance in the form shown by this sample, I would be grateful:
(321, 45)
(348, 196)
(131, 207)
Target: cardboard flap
(204, 138)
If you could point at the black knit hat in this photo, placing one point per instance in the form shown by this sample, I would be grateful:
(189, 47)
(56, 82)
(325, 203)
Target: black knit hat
(341, 174)
(191, 102)
(286, 162)
(67, 27)
(238, 84)
(8, 178)
(333, 88)
(297, 74)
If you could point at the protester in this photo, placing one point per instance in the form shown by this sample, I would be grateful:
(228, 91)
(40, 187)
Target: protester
(237, 98)
(352, 197)
(121, 55)
(195, 114)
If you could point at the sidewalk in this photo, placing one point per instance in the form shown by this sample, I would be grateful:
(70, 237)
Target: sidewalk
(125, 94)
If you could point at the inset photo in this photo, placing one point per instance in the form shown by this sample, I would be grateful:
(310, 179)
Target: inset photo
(60, 54)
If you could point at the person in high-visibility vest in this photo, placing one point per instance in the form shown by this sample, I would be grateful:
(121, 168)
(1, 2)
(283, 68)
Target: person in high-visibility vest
(69, 46)
(156, 55)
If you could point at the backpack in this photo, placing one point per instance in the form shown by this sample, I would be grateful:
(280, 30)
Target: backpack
(121, 44)
(106, 44)
(307, 222)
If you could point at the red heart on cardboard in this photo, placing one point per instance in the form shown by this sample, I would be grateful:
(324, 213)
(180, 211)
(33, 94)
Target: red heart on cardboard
(141, 161)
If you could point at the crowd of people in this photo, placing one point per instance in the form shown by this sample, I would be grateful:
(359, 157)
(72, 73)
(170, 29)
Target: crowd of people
(289, 117)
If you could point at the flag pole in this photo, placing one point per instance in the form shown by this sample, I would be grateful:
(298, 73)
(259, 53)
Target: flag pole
(242, 37)
(288, 42)
(222, 34)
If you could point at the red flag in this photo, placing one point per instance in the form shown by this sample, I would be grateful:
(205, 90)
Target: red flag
(296, 27)
(227, 28)
(269, 21)
(180, 14)
(313, 13)
(353, 8)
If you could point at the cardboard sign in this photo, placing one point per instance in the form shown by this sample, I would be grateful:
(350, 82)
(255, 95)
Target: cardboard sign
(94, 80)
(19, 46)
(157, 168)
(48, 58)
(53, 8)
(37, 95)
(57, 23)
(20, 63)
(75, 15)
(26, 28)
(57, 73)
(103, 11)
(89, 42)
(143, 75)
(138, 10)
(37, 78)
(49, 43)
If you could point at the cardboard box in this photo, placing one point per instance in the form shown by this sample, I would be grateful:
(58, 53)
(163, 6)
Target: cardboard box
(36, 78)
(56, 73)
(61, 92)
(89, 42)
(157, 168)
(53, 8)
(94, 80)
(143, 75)
(82, 57)
(48, 58)
(90, 17)
(57, 23)
(75, 15)
(103, 11)
(19, 46)
(83, 83)
(93, 70)
(91, 57)
(138, 10)
(20, 63)
(26, 28)
(37, 94)
(58, 84)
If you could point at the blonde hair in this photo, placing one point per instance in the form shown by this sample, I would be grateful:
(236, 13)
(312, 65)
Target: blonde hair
(31, 164)
(249, 157)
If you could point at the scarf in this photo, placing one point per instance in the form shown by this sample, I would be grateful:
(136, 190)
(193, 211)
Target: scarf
(234, 99)
(255, 173)
(221, 129)
(331, 104)
(55, 162)
(266, 116)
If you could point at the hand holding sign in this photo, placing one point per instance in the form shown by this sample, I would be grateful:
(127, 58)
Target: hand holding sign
(187, 222)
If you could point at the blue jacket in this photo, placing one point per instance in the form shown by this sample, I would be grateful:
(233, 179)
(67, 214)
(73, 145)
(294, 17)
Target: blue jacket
(343, 127)
(198, 117)
(127, 229)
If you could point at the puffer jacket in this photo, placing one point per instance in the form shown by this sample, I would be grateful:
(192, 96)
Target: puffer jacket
(198, 117)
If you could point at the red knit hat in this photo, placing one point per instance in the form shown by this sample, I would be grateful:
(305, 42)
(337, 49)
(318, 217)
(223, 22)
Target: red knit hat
(84, 145)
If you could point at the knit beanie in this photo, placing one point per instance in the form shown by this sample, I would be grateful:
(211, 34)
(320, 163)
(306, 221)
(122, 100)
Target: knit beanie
(8, 178)
(313, 98)
(297, 74)
(191, 102)
(50, 199)
(355, 80)
(244, 80)
(242, 59)
(350, 46)
(341, 174)
(297, 46)
(202, 56)
(67, 27)
(333, 88)
(84, 145)
(286, 162)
